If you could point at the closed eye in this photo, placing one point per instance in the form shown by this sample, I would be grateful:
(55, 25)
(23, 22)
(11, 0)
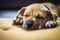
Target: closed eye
(39, 17)
(26, 15)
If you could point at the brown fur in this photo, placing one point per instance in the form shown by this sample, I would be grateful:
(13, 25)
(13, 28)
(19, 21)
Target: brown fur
(38, 9)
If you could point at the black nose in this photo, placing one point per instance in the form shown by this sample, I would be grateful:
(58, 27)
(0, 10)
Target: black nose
(29, 22)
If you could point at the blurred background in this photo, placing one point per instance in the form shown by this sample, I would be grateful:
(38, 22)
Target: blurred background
(9, 8)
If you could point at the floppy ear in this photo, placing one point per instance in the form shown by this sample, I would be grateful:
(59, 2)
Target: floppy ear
(55, 15)
(18, 19)
(21, 11)
(49, 15)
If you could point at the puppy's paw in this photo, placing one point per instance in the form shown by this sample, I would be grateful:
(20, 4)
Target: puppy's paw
(51, 24)
(18, 21)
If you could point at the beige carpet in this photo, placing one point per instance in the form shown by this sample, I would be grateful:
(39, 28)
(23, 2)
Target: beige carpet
(8, 31)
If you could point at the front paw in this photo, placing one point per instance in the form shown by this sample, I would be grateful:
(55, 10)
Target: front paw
(51, 24)
(18, 21)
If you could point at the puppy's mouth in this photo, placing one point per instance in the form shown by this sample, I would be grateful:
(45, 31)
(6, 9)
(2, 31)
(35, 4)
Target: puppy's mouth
(30, 27)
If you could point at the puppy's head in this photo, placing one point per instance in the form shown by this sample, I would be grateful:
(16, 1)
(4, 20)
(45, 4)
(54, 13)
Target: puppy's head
(34, 16)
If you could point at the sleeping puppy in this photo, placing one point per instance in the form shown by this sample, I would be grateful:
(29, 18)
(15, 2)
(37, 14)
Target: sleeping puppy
(37, 16)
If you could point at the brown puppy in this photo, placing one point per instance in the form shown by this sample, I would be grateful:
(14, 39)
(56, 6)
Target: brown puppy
(37, 16)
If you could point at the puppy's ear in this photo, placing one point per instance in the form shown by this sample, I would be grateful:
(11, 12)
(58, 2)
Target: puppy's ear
(21, 11)
(49, 15)
(18, 19)
(55, 15)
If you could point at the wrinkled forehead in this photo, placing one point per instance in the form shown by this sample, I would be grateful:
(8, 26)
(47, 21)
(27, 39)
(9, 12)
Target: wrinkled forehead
(28, 11)
(33, 11)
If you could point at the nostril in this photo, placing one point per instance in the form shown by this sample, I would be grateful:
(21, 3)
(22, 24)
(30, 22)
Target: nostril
(29, 23)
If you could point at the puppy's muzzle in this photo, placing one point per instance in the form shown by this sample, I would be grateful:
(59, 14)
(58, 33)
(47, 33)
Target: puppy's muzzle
(30, 25)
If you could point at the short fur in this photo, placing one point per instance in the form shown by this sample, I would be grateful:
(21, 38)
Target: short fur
(32, 11)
